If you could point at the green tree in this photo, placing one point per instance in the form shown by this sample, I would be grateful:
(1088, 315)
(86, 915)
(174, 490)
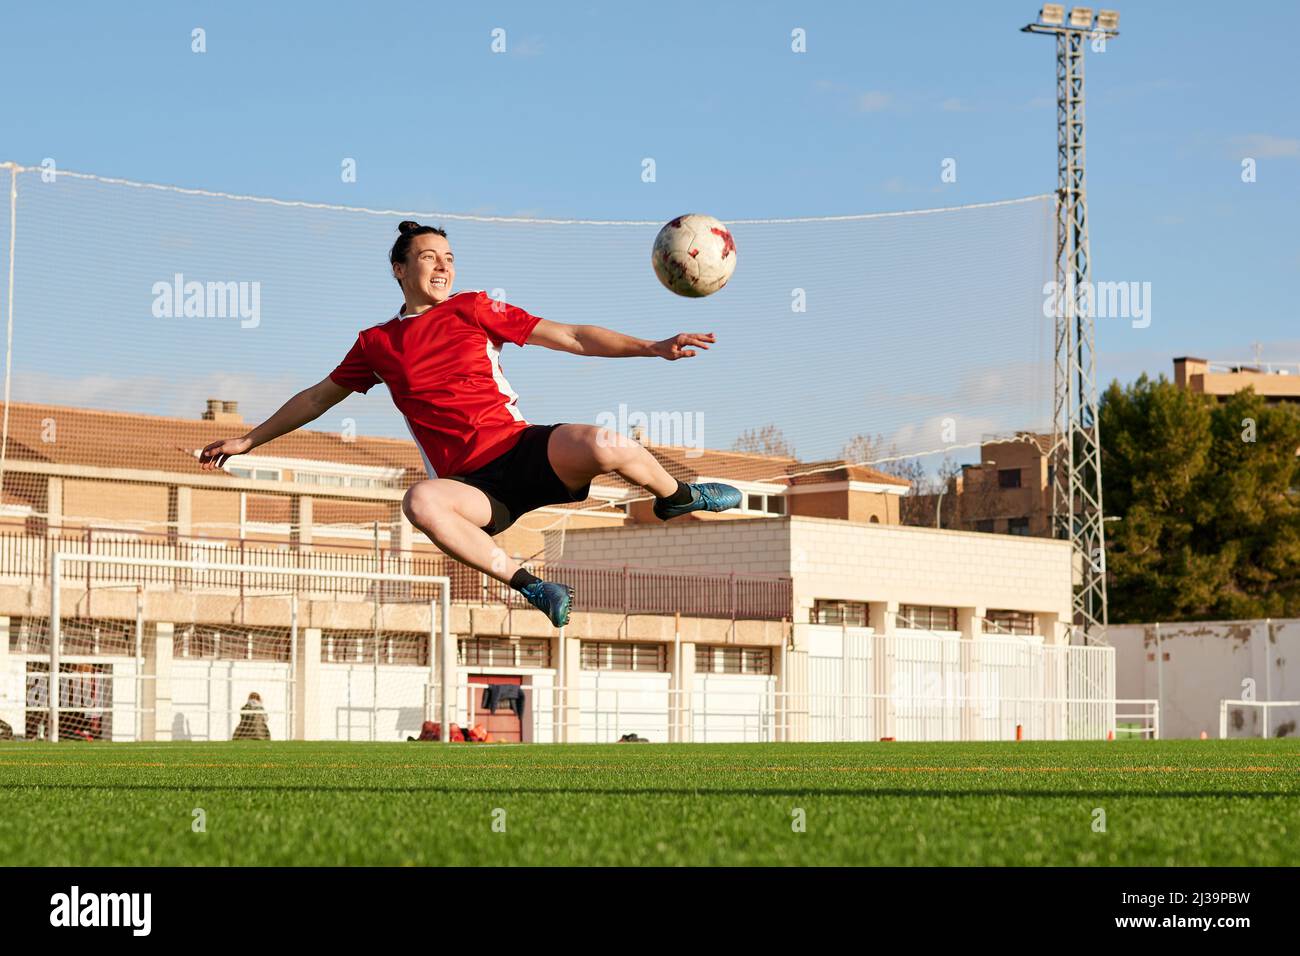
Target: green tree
(1210, 519)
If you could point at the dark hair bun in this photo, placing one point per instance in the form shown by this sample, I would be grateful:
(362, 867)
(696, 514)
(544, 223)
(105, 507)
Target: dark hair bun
(407, 227)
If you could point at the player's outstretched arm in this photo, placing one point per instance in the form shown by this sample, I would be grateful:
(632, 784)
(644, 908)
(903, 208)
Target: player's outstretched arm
(307, 406)
(606, 343)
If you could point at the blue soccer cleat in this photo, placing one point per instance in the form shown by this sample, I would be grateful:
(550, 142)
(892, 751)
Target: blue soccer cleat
(709, 496)
(554, 600)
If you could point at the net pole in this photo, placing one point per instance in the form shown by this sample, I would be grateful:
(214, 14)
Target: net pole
(676, 709)
(139, 662)
(374, 658)
(433, 657)
(1268, 673)
(9, 317)
(55, 636)
(292, 696)
(448, 659)
(561, 730)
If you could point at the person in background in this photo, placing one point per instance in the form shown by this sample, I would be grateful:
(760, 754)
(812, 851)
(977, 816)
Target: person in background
(252, 720)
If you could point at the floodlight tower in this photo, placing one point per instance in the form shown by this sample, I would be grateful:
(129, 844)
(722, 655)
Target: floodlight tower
(1075, 459)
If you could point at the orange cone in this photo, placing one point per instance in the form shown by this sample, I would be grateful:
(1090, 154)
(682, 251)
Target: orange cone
(1110, 735)
(1020, 731)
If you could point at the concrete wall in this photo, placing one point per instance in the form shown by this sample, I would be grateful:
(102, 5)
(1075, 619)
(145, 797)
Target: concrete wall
(755, 545)
(833, 559)
(1191, 667)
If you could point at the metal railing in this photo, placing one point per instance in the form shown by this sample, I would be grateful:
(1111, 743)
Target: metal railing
(1217, 367)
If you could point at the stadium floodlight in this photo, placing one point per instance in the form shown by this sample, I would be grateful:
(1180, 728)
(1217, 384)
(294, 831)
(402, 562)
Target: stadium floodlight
(1075, 460)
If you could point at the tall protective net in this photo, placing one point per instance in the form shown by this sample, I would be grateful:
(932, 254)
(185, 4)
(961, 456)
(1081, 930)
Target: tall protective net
(914, 333)
(144, 321)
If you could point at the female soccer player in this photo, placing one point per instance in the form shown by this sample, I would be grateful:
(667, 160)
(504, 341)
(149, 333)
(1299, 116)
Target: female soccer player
(440, 357)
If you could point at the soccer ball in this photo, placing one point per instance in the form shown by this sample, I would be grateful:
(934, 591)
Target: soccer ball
(694, 255)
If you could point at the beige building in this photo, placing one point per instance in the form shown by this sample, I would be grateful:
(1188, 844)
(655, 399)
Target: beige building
(798, 616)
(1008, 492)
(1275, 382)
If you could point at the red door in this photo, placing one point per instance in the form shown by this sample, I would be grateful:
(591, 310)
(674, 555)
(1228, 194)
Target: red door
(503, 723)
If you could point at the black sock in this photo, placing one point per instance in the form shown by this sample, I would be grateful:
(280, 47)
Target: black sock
(522, 579)
(682, 496)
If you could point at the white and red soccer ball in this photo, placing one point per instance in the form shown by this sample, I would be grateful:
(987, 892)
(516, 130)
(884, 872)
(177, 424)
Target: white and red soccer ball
(694, 255)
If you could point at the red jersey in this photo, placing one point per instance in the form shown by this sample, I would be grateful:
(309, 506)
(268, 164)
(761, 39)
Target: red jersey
(443, 371)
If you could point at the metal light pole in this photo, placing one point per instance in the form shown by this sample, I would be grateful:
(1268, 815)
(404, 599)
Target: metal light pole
(1076, 449)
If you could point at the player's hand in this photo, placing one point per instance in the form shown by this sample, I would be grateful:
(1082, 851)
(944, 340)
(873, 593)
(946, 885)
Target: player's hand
(680, 345)
(217, 453)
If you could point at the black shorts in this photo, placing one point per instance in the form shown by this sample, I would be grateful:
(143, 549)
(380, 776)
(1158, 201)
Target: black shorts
(521, 480)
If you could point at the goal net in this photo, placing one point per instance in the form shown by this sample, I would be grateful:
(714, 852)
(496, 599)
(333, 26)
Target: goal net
(208, 649)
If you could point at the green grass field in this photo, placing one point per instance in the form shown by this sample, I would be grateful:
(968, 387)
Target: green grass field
(1166, 803)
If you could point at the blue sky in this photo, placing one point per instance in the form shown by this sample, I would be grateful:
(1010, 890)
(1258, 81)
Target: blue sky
(737, 123)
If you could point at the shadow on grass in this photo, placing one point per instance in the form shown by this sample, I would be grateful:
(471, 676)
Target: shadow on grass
(665, 791)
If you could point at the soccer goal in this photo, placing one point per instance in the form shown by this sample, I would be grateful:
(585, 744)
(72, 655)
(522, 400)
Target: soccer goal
(204, 649)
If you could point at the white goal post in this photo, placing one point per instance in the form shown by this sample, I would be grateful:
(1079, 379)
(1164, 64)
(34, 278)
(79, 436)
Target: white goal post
(442, 653)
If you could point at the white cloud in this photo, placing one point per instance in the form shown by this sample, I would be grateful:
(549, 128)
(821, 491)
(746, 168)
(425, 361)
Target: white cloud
(180, 396)
(1264, 146)
(528, 46)
(873, 101)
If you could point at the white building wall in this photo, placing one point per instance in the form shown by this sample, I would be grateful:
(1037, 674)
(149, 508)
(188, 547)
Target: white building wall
(347, 701)
(207, 696)
(906, 565)
(733, 708)
(614, 703)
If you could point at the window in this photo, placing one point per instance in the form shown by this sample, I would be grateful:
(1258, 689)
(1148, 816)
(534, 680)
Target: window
(852, 613)
(612, 656)
(311, 478)
(503, 652)
(258, 474)
(985, 525)
(359, 646)
(197, 642)
(764, 504)
(1008, 622)
(336, 481)
(713, 659)
(1018, 526)
(926, 618)
(79, 636)
(85, 636)
(1008, 477)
